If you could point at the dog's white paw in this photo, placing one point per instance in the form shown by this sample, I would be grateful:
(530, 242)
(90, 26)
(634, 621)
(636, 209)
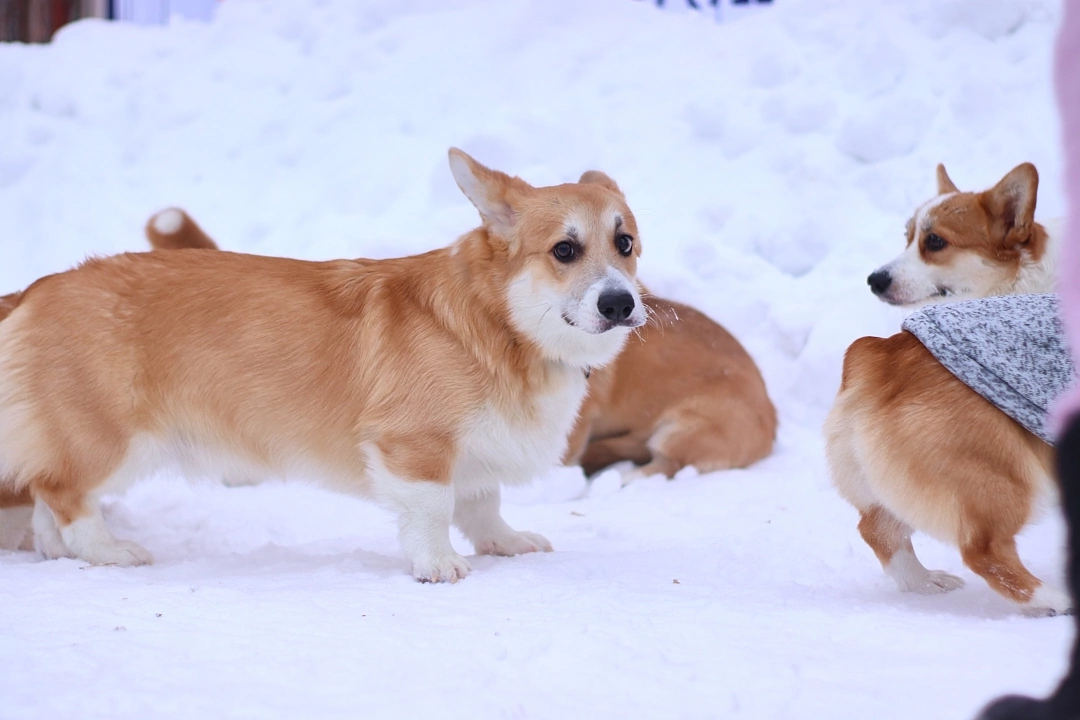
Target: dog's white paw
(447, 568)
(1048, 602)
(51, 545)
(514, 543)
(934, 582)
(122, 553)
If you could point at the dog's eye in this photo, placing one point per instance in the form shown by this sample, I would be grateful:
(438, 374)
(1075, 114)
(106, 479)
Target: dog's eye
(624, 244)
(935, 243)
(564, 251)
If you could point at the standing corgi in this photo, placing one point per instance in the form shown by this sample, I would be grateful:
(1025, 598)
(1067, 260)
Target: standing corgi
(914, 448)
(422, 382)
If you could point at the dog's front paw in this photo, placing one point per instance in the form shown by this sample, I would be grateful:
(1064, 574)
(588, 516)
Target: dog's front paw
(514, 543)
(934, 582)
(446, 568)
(121, 552)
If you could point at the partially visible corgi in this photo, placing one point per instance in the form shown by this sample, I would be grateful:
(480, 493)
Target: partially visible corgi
(170, 229)
(421, 382)
(682, 393)
(914, 448)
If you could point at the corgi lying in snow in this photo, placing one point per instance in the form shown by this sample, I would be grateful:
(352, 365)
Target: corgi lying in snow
(911, 446)
(421, 382)
(682, 393)
(170, 229)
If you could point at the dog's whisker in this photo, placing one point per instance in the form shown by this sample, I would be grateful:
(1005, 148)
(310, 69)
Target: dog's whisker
(541, 320)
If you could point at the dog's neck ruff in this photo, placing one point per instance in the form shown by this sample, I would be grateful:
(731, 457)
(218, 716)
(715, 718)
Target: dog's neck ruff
(1040, 276)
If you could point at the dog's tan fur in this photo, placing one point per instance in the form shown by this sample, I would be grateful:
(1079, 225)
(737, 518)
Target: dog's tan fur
(682, 393)
(913, 448)
(9, 303)
(180, 232)
(412, 380)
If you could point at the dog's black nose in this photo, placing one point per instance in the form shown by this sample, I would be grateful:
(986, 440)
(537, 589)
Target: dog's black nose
(879, 282)
(616, 306)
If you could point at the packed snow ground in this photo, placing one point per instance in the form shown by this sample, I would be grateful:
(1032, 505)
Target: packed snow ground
(771, 163)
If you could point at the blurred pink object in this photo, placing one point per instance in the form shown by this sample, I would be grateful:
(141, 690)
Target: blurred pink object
(1067, 82)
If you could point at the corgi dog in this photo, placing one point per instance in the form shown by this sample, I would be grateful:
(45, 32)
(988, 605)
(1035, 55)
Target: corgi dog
(170, 229)
(909, 445)
(682, 393)
(423, 382)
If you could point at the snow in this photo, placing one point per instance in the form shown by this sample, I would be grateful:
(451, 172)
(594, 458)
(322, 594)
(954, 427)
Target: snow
(771, 162)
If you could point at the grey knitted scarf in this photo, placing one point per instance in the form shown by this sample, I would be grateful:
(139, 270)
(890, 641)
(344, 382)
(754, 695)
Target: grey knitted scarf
(1011, 350)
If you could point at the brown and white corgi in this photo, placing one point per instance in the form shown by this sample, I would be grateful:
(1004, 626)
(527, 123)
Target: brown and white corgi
(422, 382)
(682, 393)
(911, 446)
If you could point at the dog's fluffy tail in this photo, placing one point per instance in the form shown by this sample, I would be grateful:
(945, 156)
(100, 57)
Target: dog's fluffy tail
(173, 229)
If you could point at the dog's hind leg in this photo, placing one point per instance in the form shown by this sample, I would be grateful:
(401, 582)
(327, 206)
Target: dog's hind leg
(890, 539)
(76, 519)
(993, 556)
(887, 535)
(721, 435)
(67, 505)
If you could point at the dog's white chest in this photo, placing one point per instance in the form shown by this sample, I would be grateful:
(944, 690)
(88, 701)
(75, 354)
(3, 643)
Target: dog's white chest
(511, 448)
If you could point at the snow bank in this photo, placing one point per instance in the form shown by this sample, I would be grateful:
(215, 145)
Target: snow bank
(771, 163)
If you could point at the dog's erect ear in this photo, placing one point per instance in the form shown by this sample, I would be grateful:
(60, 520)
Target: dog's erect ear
(1012, 202)
(490, 191)
(596, 177)
(944, 182)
